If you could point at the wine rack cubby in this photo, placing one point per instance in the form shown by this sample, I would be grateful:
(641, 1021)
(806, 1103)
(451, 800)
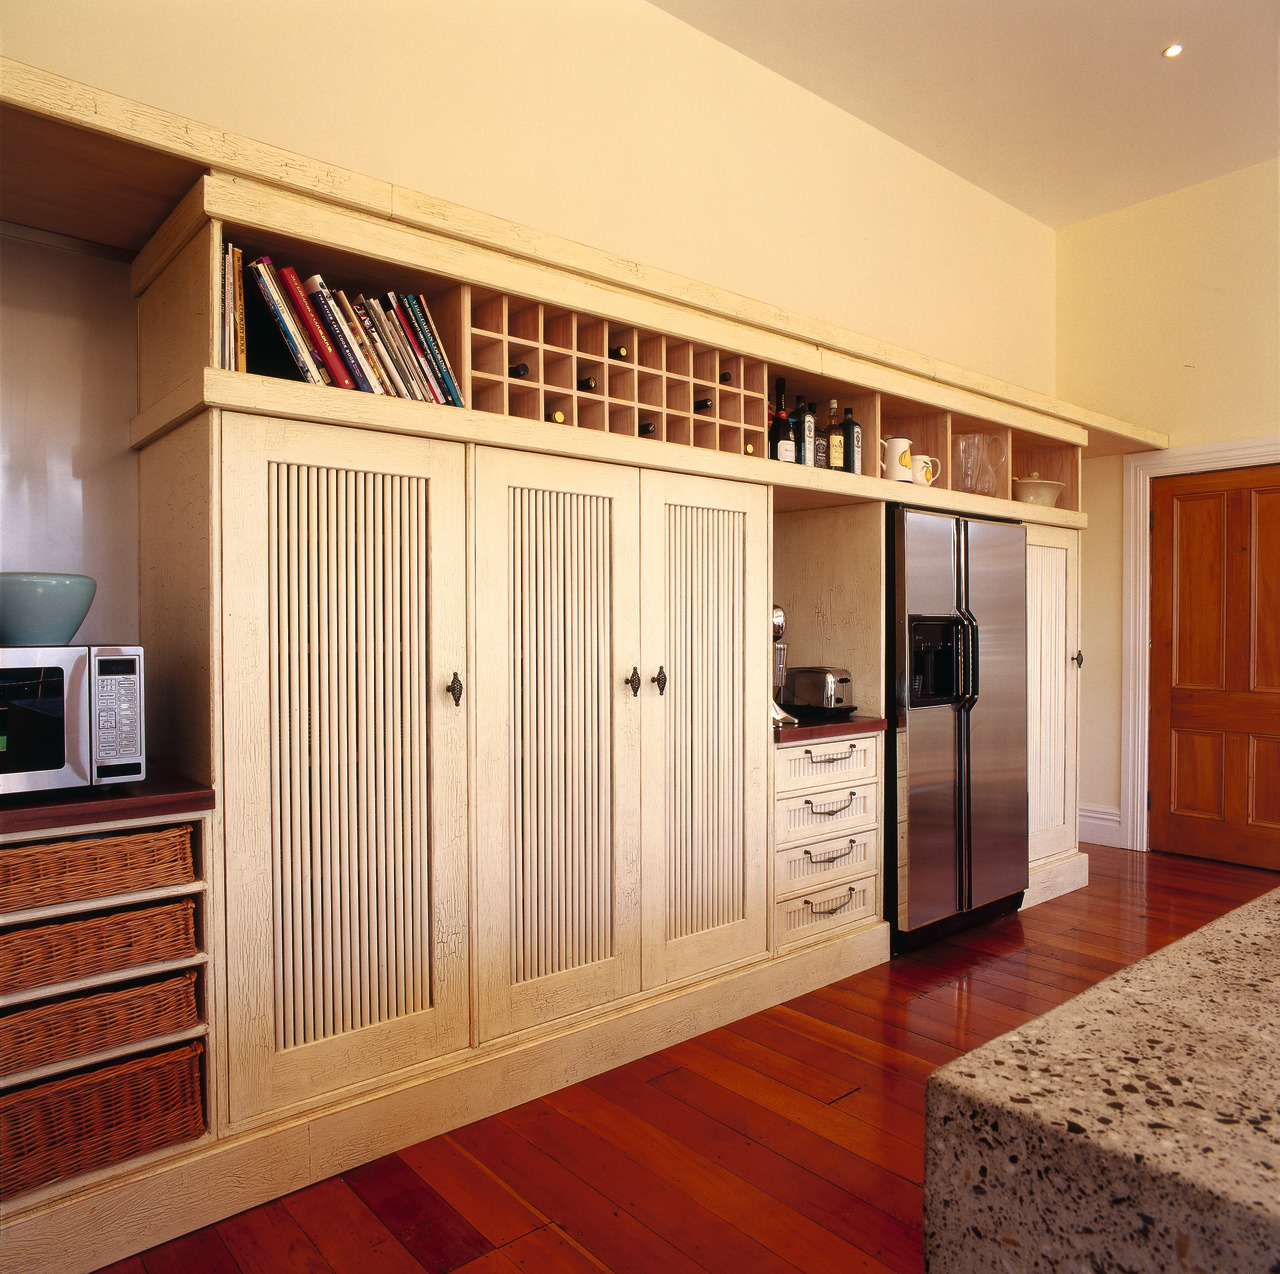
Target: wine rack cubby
(538, 361)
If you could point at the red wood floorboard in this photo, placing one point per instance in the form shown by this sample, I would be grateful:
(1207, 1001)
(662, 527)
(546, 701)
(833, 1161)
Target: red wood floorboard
(790, 1140)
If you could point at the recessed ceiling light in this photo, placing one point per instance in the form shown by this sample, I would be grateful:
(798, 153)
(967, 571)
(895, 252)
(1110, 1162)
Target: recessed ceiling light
(1173, 50)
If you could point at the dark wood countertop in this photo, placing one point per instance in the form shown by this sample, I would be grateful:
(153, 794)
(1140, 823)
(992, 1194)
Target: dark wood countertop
(809, 730)
(160, 795)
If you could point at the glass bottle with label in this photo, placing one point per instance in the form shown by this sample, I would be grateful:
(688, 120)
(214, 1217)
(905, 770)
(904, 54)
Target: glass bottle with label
(835, 438)
(852, 442)
(805, 426)
(820, 441)
(782, 438)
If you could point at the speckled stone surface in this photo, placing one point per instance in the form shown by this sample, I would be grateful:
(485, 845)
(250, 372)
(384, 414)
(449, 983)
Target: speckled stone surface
(1134, 1128)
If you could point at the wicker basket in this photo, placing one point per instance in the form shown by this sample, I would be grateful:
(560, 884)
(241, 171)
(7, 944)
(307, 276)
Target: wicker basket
(45, 954)
(95, 1023)
(94, 867)
(67, 1126)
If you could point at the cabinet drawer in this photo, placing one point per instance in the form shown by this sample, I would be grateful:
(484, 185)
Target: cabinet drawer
(824, 863)
(824, 911)
(830, 761)
(828, 812)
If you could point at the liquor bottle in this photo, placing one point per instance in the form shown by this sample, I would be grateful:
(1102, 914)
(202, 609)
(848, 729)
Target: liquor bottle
(555, 418)
(835, 438)
(803, 423)
(702, 404)
(782, 437)
(725, 377)
(819, 438)
(617, 351)
(586, 383)
(852, 442)
(517, 370)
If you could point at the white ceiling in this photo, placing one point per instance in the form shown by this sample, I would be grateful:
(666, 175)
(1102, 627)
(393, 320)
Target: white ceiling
(1063, 108)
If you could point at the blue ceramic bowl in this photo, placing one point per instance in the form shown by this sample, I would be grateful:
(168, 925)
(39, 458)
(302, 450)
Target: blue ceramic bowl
(38, 608)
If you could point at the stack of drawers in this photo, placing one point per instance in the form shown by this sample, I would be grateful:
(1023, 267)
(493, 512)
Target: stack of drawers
(827, 813)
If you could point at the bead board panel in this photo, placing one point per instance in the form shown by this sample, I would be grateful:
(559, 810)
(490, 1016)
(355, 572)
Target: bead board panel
(345, 870)
(348, 647)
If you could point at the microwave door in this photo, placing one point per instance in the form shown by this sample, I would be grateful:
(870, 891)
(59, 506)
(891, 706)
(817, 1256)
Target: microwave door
(44, 719)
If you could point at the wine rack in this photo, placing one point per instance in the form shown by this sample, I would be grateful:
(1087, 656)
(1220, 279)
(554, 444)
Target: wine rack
(537, 361)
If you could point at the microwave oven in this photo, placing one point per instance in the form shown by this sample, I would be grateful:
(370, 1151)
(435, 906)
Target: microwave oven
(70, 716)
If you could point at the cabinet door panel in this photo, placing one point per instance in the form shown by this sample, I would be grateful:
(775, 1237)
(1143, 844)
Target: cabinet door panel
(557, 868)
(1052, 690)
(345, 756)
(705, 625)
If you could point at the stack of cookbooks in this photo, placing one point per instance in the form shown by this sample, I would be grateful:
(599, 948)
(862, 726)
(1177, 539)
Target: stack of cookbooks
(278, 324)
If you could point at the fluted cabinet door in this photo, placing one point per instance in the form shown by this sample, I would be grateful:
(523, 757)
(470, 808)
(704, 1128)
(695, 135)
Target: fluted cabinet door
(705, 734)
(344, 609)
(1052, 690)
(557, 773)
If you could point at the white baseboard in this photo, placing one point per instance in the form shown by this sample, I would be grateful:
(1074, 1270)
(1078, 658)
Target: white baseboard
(1100, 825)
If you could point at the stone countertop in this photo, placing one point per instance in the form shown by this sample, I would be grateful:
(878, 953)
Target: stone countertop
(1134, 1128)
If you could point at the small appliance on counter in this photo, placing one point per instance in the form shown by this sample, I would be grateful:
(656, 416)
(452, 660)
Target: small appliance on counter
(818, 693)
(778, 716)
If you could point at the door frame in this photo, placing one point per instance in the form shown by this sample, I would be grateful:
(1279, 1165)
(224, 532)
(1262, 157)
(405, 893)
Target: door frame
(1139, 470)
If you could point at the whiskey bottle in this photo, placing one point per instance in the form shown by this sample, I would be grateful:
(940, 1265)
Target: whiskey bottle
(782, 437)
(819, 438)
(835, 438)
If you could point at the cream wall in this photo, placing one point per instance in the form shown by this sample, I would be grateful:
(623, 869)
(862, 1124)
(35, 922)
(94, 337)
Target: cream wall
(1168, 315)
(604, 121)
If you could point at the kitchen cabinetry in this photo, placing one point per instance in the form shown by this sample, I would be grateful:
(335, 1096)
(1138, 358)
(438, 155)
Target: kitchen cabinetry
(343, 605)
(1053, 637)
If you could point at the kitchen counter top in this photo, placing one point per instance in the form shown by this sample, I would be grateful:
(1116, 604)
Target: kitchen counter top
(1136, 1127)
(159, 795)
(807, 731)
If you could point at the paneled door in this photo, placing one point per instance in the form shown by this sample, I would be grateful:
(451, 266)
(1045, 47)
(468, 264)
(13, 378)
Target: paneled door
(343, 622)
(557, 683)
(1215, 666)
(705, 734)
(1053, 690)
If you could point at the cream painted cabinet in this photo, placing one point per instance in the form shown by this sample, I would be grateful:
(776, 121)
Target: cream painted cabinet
(343, 621)
(705, 733)
(621, 715)
(1052, 691)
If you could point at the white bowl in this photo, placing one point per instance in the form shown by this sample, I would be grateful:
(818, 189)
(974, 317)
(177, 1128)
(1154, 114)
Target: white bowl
(1037, 491)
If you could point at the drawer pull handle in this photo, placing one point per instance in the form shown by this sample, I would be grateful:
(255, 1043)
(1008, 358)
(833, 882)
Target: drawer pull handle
(454, 689)
(831, 858)
(633, 681)
(834, 810)
(831, 758)
(660, 680)
(831, 911)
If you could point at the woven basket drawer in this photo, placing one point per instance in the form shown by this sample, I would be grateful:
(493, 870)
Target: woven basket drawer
(46, 954)
(67, 1126)
(94, 867)
(91, 1024)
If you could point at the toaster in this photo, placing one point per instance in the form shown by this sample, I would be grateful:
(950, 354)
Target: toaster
(818, 692)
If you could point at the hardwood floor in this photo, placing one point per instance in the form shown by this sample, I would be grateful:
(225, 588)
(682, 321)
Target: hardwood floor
(791, 1140)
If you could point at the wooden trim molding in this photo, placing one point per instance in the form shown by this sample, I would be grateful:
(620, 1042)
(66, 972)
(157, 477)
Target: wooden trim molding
(1136, 595)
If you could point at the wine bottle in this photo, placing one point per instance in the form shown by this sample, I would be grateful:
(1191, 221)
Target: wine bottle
(726, 377)
(517, 370)
(586, 383)
(750, 449)
(835, 438)
(802, 422)
(819, 438)
(648, 429)
(555, 418)
(852, 442)
(702, 404)
(782, 436)
(617, 351)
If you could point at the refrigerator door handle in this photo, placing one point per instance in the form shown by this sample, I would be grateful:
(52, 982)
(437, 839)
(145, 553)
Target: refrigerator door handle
(969, 689)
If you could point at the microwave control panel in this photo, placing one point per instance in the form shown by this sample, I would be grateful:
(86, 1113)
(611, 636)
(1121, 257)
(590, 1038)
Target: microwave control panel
(119, 745)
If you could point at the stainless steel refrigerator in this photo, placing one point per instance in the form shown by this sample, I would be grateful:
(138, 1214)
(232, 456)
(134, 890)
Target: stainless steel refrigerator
(957, 685)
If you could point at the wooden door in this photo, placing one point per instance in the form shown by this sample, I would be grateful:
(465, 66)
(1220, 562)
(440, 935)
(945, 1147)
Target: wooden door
(557, 868)
(705, 734)
(344, 603)
(1214, 743)
(1053, 690)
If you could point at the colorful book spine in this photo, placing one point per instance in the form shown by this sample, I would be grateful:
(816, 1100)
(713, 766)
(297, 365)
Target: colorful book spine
(441, 353)
(321, 341)
(414, 311)
(322, 299)
(237, 321)
(394, 340)
(385, 356)
(419, 352)
(295, 320)
(286, 323)
(373, 363)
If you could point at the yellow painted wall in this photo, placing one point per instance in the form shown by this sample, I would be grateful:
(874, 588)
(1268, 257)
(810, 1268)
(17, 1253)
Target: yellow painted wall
(607, 122)
(1169, 316)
